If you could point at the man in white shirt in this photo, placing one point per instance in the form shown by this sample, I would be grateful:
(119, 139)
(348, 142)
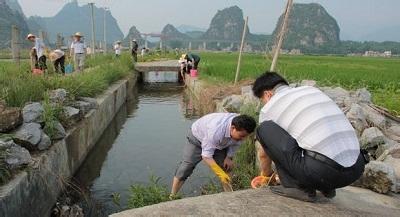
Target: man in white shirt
(117, 49)
(78, 50)
(214, 138)
(39, 47)
(307, 136)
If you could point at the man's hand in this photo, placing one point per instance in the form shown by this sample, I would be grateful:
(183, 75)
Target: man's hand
(222, 175)
(228, 164)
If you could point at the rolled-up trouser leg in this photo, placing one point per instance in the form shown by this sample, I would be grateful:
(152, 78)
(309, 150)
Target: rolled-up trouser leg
(191, 157)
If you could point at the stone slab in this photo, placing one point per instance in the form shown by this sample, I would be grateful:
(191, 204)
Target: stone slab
(350, 201)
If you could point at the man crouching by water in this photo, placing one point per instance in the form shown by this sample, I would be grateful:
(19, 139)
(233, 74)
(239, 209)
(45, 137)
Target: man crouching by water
(214, 138)
(307, 136)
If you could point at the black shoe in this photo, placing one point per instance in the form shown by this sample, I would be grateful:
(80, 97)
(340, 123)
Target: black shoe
(295, 193)
(329, 194)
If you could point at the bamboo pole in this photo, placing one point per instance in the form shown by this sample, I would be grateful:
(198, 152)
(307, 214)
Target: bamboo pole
(15, 44)
(241, 50)
(281, 35)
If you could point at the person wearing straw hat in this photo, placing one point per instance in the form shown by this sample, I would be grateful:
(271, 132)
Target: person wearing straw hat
(57, 57)
(117, 48)
(39, 48)
(214, 138)
(78, 50)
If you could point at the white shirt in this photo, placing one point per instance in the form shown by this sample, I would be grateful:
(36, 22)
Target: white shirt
(117, 49)
(213, 131)
(39, 46)
(78, 46)
(59, 53)
(315, 121)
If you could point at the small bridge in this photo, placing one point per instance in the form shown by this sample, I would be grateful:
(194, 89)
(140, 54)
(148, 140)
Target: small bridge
(160, 71)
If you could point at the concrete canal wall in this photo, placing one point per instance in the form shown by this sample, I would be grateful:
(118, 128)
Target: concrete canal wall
(34, 191)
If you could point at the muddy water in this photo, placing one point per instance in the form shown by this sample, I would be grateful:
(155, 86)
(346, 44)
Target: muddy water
(145, 138)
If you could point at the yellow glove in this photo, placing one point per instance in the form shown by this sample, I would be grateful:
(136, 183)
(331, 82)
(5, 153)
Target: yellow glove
(220, 173)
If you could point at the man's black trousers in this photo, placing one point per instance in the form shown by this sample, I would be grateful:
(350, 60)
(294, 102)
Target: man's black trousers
(299, 170)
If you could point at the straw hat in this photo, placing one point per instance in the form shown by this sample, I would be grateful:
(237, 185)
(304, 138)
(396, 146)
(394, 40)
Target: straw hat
(134, 39)
(78, 34)
(118, 42)
(30, 36)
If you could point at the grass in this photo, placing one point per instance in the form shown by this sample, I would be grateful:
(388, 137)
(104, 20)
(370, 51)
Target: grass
(381, 76)
(144, 195)
(18, 86)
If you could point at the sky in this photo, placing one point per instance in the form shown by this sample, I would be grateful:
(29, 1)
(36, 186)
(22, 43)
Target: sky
(356, 18)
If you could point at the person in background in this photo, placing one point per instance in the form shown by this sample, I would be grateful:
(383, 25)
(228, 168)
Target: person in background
(192, 59)
(118, 49)
(134, 51)
(78, 50)
(143, 52)
(58, 58)
(39, 47)
(214, 138)
(308, 137)
(34, 59)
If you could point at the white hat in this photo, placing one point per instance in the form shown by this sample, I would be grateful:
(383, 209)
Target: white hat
(118, 42)
(78, 34)
(30, 35)
(134, 39)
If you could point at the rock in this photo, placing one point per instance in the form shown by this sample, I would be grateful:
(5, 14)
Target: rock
(357, 118)
(44, 143)
(378, 176)
(3, 105)
(10, 118)
(84, 107)
(247, 90)
(310, 83)
(338, 94)
(394, 161)
(71, 113)
(92, 101)
(394, 132)
(233, 103)
(294, 85)
(371, 138)
(28, 135)
(33, 113)
(374, 117)
(17, 156)
(386, 149)
(363, 96)
(59, 131)
(71, 211)
(58, 96)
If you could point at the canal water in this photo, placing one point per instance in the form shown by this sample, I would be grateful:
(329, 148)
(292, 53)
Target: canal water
(145, 138)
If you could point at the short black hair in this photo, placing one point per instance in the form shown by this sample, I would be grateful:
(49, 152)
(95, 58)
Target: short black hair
(244, 122)
(267, 81)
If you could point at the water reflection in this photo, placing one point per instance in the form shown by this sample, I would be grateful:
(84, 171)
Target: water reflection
(146, 137)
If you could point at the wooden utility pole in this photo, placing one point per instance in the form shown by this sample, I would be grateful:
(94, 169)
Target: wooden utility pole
(93, 32)
(281, 35)
(105, 32)
(59, 41)
(15, 44)
(241, 50)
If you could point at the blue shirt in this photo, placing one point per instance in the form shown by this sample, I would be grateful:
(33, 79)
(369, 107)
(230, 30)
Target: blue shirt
(213, 131)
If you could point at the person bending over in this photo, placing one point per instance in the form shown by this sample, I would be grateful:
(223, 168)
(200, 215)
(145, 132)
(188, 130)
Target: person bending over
(214, 138)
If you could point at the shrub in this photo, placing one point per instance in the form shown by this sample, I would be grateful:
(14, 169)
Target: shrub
(144, 195)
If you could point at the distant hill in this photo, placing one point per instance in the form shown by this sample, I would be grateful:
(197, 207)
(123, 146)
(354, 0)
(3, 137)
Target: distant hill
(74, 18)
(310, 26)
(133, 34)
(195, 34)
(188, 28)
(14, 5)
(171, 33)
(9, 17)
(226, 25)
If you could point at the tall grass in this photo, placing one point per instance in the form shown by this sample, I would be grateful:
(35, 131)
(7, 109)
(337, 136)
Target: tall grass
(381, 76)
(18, 85)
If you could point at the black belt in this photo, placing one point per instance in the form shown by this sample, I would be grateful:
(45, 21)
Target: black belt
(79, 53)
(319, 157)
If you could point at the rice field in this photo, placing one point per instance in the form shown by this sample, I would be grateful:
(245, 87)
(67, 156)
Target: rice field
(381, 76)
